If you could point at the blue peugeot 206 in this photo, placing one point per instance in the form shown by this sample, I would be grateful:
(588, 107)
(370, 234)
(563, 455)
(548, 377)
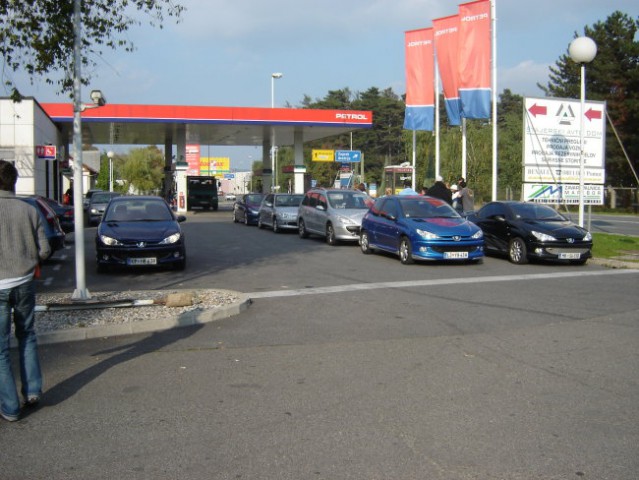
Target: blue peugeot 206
(416, 227)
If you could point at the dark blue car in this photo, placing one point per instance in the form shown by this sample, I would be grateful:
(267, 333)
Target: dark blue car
(140, 231)
(247, 208)
(416, 227)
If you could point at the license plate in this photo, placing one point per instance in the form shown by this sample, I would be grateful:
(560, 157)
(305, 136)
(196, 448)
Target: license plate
(455, 254)
(570, 256)
(142, 261)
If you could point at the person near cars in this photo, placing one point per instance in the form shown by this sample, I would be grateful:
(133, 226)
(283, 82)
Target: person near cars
(67, 198)
(440, 190)
(466, 196)
(24, 245)
(457, 204)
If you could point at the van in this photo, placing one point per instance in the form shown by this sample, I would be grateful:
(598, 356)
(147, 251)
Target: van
(201, 192)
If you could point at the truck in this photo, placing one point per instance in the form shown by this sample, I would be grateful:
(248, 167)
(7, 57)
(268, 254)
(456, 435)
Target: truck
(201, 192)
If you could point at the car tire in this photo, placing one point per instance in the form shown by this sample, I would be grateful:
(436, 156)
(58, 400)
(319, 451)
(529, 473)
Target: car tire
(405, 251)
(246, 220)
(330, 235)
(517, 251)
(301, 229)
(276, 228)
(364, 243)
(234, 217)
(181, 265)
(260, 225)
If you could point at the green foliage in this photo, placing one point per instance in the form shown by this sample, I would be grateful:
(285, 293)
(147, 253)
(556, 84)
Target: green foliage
(142, 171)
(37, 36)
(613, 76)
(605, 245)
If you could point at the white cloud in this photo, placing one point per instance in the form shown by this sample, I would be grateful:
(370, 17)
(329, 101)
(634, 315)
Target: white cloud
(522, 79)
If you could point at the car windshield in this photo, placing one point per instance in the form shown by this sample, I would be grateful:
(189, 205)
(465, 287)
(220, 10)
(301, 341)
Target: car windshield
(254, 199)
(138, 211)
(101, 197)
(347, 199)
(426, 208)
(534, 211)
(288, 200)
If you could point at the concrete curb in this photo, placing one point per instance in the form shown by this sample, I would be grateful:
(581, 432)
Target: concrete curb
(194, 317)
(612, 263)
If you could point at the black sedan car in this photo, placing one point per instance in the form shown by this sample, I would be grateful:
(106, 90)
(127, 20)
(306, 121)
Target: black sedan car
(529, 231)
(140, 231)
(246, 208)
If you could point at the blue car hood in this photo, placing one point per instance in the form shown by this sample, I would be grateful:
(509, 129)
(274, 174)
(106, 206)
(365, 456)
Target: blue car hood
(139, 231)
(444, 226)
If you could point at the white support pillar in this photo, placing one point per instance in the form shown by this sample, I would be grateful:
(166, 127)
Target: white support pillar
(300, 168)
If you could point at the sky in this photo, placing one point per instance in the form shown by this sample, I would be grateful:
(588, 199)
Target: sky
(224, 52)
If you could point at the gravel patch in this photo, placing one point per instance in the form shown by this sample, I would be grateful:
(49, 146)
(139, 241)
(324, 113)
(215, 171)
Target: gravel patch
(63, 313)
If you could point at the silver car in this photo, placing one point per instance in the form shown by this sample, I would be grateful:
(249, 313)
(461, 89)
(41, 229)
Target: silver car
(97, 204)
(335, 214)
(279, 211)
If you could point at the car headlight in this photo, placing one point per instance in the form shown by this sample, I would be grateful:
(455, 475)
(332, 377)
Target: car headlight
(345, 220)
(427, 235)
(111, 242)
(253, 211)
(171, 239)
(587, 237)
(94, 211)
(543, 237)
(478, 235)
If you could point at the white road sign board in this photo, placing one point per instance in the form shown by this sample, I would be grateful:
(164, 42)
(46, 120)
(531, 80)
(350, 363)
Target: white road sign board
(552, 140)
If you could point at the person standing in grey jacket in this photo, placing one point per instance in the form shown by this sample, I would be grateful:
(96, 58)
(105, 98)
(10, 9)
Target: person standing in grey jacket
(24, 245)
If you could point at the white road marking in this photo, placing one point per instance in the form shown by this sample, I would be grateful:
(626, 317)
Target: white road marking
(434, 283)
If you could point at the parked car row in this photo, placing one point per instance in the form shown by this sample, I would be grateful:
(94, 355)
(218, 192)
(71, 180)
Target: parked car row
(416, 227)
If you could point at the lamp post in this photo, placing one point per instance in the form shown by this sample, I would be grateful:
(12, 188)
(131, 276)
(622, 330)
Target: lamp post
(582, 50)
(81, 293)
(110, 155)
(274, 76)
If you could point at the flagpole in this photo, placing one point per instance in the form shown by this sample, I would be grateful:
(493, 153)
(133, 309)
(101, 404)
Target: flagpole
(414, 158)
(493, 17)
(437, 159)
(464, 153)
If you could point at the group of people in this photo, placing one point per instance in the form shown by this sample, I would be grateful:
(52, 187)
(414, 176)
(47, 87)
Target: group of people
(458, 195)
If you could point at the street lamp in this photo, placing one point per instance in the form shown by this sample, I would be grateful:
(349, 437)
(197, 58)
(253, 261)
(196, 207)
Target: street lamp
(81, 293)
(582, 50)
(274, 76)
(110, 155)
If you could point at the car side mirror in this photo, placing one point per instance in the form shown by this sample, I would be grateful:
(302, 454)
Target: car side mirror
(390, 216)
(499, 218)
(181, 218)
(321, 207)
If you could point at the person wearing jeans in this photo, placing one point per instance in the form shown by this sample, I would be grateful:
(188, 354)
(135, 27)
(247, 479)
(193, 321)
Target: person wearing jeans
(24, 245)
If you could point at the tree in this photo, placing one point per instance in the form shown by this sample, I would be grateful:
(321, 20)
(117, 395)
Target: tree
(143, 171)
(612, 76)
(36, 36)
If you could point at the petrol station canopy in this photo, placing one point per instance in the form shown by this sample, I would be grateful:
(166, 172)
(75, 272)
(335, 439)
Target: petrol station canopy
(205, 125)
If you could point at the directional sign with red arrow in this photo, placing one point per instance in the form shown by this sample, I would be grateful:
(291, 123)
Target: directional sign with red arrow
(537, 110)
(590, 114)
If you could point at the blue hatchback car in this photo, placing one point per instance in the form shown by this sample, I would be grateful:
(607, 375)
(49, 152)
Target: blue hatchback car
(416, 227)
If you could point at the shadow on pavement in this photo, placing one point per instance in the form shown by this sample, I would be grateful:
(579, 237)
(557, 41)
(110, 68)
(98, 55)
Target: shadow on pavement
(153, 343)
